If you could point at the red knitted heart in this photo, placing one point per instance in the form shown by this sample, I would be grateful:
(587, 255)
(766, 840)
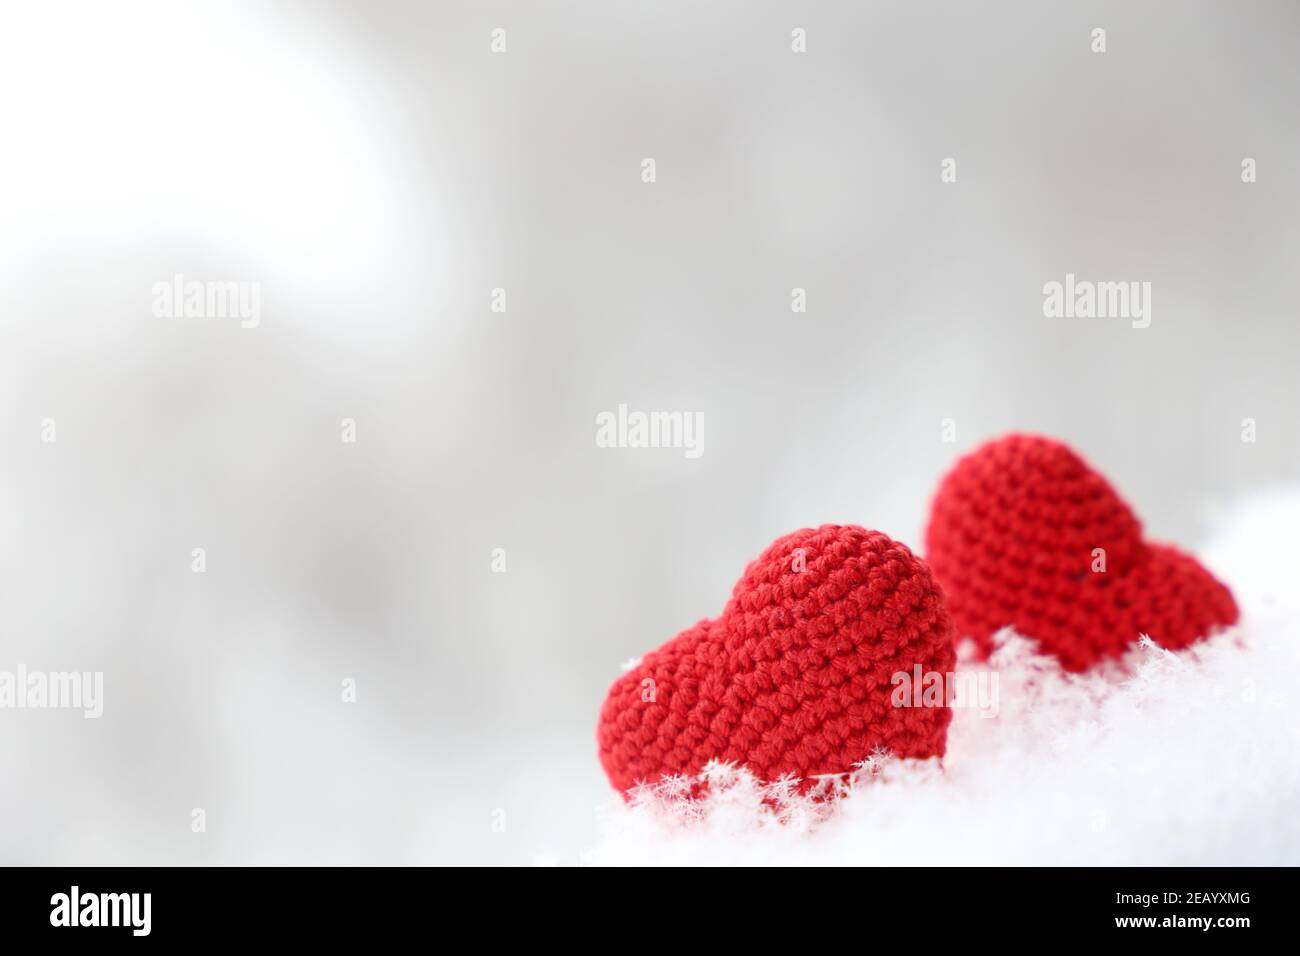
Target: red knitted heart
(1012, 539)
(795, 677)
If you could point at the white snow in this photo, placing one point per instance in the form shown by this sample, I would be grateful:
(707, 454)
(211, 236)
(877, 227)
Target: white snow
(1172, 759)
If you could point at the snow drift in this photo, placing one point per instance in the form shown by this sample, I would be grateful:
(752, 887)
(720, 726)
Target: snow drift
(1167, 759)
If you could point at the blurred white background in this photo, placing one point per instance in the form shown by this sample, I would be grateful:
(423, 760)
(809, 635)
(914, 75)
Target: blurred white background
(379, 171)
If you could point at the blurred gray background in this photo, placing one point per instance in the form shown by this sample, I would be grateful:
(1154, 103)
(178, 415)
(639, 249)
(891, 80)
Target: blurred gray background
(379, 171)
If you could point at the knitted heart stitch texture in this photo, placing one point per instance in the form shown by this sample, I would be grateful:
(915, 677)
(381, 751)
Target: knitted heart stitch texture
(1017, 534)
(794, 679)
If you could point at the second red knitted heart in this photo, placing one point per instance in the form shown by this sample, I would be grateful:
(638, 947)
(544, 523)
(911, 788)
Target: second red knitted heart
(1023, 533)
(796, 678)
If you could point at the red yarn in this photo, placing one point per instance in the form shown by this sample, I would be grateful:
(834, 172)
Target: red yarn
(795, 676)
(1012, 539)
